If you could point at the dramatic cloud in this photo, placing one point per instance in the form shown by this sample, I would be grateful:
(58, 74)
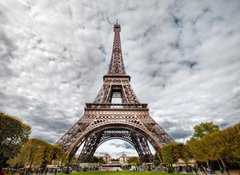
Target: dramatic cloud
(123, 145)
(183, 57)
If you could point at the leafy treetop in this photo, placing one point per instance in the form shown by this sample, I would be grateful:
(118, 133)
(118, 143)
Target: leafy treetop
(203, 129)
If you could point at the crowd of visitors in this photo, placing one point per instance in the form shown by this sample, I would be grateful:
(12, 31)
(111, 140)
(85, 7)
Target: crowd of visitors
(41, 170)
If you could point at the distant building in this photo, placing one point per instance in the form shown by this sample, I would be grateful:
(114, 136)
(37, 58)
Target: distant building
(180, 162)
(107, 158)
(122, 160)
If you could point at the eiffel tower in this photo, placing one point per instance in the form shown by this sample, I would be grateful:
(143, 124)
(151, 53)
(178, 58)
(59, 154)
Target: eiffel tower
(116, 113)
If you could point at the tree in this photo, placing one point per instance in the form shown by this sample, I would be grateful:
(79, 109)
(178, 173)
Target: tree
(198, 150)
(58, 154)
(156, 161)
(183, 152)
(169, 154)
(224, 144)
(94, 159)
(220, 145)
(13, 134)
(134, 161)
(203, 129)
(101, 161)
(231, 138)
(38, 153)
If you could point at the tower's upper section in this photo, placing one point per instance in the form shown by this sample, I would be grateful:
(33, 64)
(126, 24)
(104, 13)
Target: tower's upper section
(116, 66)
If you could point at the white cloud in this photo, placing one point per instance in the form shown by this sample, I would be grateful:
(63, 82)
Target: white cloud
(183, 58)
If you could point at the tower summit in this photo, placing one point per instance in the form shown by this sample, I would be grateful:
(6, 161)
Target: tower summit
(116, 66)
(116, 113)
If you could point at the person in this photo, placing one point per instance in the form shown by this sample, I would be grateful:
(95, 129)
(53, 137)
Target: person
(190, 170)
(222, 170)
(226, 169)
(211, 170)
(21, 171)
(205, 170)
(55, 171)
(195, 170)
(46, 171)
(4, 172)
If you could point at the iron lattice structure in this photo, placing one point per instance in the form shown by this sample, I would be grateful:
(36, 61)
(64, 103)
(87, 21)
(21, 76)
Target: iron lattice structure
(104, 119)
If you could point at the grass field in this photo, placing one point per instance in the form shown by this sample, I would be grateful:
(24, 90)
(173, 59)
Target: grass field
(123, 173)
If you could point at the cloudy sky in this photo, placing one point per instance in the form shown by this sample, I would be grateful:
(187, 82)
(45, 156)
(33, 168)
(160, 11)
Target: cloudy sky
(183, 57)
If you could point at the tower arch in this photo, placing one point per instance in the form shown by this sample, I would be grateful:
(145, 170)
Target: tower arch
(136, 137)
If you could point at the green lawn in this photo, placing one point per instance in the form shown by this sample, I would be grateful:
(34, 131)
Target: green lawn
(123, 173)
